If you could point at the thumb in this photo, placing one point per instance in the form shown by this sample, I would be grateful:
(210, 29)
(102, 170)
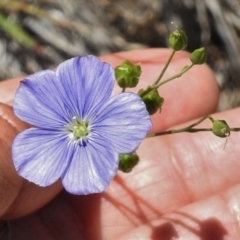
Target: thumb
(19, 196)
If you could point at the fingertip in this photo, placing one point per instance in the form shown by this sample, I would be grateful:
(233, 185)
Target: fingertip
(8, 89)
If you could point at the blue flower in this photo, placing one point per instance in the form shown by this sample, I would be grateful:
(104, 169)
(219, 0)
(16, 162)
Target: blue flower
(79, 129)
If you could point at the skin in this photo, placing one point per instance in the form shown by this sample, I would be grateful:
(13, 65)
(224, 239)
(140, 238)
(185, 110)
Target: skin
(186, 185)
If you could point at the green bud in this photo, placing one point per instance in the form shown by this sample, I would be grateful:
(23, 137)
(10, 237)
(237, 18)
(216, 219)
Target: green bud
(220, 128)
(127, 162)
(178, 40)
(198, 56)
(152, 100)
(127, 74)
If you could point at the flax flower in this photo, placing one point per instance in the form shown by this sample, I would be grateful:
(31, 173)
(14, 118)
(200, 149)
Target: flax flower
(78, 128)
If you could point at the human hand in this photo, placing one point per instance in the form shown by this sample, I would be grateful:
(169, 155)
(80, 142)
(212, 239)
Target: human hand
(185, 185)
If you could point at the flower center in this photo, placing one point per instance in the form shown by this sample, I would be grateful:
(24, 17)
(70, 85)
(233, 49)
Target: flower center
(78, 128)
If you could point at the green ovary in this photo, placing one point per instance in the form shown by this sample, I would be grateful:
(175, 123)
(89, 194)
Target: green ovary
(80, 130)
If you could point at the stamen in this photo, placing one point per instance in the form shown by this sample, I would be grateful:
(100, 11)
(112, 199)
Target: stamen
(79, 129)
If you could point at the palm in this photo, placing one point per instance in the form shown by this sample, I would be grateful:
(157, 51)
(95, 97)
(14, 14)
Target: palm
(185, 185)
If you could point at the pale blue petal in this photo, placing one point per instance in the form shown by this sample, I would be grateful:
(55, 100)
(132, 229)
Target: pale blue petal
(92, 167)
(41, 156)
(88, 83)
(37, 101)
(50, 100)
(124, 121)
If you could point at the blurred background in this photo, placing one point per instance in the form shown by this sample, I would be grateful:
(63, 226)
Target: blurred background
(39, 34)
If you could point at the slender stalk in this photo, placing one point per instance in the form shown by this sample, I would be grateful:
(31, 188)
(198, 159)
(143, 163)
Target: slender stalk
(188, 129)
(165, 67)
(178, 75)
(235, 129)
(156, 86)
(123, 90)
(198, 122)
(172, 131)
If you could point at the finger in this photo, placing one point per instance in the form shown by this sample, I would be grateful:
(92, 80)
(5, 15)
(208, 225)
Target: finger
(8, 89)
(18, 196)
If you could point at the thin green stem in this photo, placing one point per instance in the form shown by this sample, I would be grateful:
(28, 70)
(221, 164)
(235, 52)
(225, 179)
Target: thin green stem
(198, 122)
(178, 75)
(172, 131)
(156, 86)
(211, 119)
(188, 129)
(123, 89)
(165, 67)
(235, 129)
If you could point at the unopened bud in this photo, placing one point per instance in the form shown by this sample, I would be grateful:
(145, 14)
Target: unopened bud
(127, 162)
(198, 56)
(178, 40)
(127, 74)
(220, 128)
(152, 100)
